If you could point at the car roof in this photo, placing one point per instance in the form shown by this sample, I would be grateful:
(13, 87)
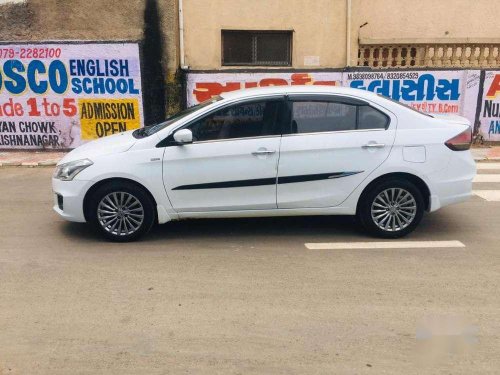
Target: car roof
(303, 89)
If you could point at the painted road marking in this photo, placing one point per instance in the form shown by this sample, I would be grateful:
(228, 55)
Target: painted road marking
(487, 178)
(486, 166)
(489, 195)
(383, 245)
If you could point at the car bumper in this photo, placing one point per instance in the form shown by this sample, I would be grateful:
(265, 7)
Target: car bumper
(68, 198)
(454, 184)
(462, 193)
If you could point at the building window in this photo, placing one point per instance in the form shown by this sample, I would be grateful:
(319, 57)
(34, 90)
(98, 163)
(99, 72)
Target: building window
(453, 55)
(264, 48)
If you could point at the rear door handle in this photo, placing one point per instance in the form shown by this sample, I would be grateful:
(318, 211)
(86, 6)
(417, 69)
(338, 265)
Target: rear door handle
(263, 152)
(373, 145)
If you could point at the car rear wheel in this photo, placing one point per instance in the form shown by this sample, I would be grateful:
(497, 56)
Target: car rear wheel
(122, 212)
(391, 209)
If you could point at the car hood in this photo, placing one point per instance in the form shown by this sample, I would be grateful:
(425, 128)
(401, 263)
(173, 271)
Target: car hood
(112, 144)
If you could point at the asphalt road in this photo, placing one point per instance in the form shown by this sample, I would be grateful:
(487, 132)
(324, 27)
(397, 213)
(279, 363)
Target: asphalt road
(244, 296)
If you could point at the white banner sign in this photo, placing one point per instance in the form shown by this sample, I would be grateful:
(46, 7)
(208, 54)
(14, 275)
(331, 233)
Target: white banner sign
(60, 95)
(490, 110)
(202, 86)
(428, 91)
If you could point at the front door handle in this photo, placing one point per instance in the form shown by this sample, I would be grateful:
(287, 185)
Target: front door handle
(263, 152)
(373, 145)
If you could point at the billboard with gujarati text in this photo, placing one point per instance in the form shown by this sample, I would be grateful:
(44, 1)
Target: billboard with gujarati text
(202, 86)
(438, 91)
(452, 91)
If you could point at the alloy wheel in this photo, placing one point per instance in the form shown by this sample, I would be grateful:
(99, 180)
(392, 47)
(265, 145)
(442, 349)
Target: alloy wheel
(120, 213)
(393, 209)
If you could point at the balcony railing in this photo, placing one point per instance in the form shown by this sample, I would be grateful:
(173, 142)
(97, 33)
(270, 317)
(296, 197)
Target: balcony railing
(430, 55)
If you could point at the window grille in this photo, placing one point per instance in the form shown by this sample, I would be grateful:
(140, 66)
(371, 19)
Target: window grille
(264, 48)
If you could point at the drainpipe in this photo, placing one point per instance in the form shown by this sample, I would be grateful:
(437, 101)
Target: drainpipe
(348, 34)
(181, 37)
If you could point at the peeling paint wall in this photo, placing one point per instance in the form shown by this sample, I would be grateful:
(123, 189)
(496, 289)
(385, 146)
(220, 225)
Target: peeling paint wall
(95, 20)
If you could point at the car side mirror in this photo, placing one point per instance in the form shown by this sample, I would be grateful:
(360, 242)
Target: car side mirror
(183, 136)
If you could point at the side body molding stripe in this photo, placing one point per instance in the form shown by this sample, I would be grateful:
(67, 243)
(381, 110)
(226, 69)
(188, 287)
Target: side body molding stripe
(314, 177)
(267, 181)
(228, 184)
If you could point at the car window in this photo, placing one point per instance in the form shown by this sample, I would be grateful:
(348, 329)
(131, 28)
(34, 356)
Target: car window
(149, 130)
(322, 116)
(370, 118)
(246, 120)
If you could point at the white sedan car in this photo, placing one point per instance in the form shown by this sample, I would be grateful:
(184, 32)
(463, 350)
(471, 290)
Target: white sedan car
(277, 151)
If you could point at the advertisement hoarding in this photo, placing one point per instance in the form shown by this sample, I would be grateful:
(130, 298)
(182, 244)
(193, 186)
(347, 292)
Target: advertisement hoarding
(489, 116)
(202, 86)
(440, 91)
(60, 95)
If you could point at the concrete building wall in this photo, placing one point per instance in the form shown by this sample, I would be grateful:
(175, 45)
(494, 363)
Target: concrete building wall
(60, 20)
(320, 26)
(427, 20)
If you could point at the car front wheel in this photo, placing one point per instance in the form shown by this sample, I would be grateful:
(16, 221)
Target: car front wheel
(391, 209)
(121, 211)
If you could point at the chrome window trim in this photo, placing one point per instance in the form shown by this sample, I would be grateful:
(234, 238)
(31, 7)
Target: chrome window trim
(284, 135)
(336, 132)
(233, 139)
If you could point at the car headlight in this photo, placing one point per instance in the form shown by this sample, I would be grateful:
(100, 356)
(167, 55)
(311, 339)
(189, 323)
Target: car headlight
(68, 171)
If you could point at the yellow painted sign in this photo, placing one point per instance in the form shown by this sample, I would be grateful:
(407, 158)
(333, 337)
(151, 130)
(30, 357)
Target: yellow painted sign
(102, 117)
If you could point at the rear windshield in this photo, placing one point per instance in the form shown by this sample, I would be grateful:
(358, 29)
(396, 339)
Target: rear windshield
(405, 105)
(149, 130)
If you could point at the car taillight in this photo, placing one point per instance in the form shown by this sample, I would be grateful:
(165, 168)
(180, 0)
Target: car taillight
(460, 142)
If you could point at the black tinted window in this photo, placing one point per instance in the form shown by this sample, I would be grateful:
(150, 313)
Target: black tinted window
(253, 119)
(322, 116)
(370, 118)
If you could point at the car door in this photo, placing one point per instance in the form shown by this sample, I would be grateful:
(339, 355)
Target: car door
(231, 163)
(333, 143)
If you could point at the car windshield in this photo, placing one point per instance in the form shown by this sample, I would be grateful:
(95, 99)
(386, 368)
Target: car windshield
(149, 130)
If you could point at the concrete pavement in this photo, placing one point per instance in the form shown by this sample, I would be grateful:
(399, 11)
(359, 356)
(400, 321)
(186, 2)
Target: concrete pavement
(491, 153)
(30, 158)
(245, 296)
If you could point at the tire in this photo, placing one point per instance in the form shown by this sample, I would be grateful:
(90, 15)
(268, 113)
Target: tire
(121, 211)
(402, 213)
